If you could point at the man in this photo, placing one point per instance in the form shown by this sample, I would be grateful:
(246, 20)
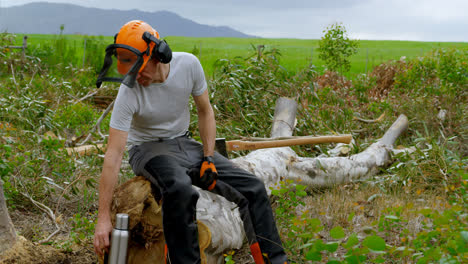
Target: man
(151, 114)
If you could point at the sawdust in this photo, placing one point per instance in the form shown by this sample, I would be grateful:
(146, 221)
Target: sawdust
(25, 252)
(32, 227)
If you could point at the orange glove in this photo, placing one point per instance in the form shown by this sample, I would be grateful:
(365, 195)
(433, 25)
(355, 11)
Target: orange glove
(208, 173)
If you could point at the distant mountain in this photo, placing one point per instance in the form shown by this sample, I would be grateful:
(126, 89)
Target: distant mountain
(46, 18)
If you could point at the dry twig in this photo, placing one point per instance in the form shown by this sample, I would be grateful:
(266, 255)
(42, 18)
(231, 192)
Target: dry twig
(14, 79)
(90, 94)
(98, 124)
(368, 120)
(32, 78)
(49, 213)
(63, 193)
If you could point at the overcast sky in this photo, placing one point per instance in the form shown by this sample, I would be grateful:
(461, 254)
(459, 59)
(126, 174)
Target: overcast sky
(421, 20)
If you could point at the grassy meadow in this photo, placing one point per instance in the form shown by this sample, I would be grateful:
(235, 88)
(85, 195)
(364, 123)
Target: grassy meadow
(296, 53)
(413, 211)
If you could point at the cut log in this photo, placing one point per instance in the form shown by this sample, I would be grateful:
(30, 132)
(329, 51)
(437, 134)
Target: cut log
(86, 149)
(284, 120)
(7, 230)
(146, 245)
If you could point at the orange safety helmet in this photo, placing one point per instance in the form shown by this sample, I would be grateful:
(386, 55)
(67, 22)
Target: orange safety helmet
(134, 45)
(131, 34)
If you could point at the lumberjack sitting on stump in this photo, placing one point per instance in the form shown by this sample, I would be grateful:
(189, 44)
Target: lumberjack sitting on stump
(151, 114)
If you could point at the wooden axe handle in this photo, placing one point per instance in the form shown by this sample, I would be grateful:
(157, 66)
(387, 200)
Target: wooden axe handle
(250, 145)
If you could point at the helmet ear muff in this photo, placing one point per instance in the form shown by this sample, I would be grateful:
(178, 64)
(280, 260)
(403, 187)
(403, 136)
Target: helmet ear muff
(163, 52)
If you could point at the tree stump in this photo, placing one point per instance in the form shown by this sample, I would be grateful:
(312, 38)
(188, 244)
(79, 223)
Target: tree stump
(7, 230)
(146, 245)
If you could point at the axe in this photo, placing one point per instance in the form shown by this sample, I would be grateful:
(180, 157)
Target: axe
(223, 146)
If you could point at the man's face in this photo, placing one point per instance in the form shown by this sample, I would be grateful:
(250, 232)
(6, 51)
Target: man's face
(148, 74)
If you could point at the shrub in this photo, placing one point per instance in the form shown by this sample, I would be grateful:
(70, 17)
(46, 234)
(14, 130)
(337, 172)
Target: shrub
(335, 48)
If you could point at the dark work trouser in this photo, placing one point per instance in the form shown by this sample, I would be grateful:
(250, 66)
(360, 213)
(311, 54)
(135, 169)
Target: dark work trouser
(165, 164)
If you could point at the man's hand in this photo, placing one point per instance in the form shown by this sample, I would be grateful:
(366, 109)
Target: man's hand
(208, 173)
(101, 236)
(204, 176)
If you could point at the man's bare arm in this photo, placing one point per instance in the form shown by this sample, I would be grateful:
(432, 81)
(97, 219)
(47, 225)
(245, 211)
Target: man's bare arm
(206, 123)
(109, 176)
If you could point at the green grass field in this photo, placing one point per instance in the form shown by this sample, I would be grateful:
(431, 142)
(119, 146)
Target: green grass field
(296, 53)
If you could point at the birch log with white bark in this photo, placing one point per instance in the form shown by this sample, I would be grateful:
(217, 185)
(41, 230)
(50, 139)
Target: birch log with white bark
(272, 164)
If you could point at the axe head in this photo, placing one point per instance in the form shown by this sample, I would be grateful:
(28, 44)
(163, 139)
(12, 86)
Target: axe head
(220, 146)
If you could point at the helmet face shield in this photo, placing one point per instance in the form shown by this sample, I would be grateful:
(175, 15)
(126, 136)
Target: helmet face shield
(122, 64)
(125, 60)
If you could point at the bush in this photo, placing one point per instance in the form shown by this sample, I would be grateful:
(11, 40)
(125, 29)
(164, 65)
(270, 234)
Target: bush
(335, 48)
(77, 119)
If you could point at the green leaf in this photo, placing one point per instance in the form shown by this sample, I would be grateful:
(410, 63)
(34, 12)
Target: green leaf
(351, 216)
(314, 255)
(300, 187)
(464, 235)
(331, 246)
(352, 241)
(374, 243)
(319, 245)
(337, 232)
(379, 260)
(301, 193)
(352, 260)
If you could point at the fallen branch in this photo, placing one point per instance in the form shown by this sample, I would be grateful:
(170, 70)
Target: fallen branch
(90, 94)
(368, 120)
(97, 126)
(63, 192)
(86, 96)
(13, 77)
(49, 213)
(32, 77)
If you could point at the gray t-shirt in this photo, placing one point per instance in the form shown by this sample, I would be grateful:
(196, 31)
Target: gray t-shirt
(160, 110)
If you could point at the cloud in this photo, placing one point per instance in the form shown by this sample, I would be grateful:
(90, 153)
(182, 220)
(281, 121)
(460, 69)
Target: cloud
(432, 20)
